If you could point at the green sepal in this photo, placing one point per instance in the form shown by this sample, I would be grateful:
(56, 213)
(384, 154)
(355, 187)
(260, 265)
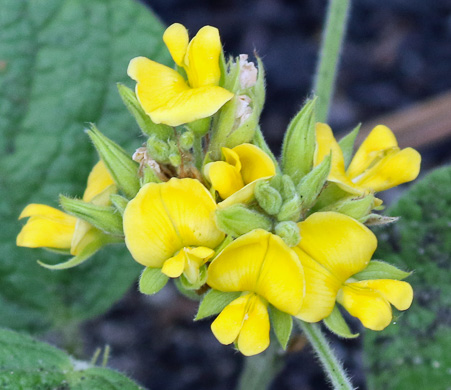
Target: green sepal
(290, 210)
(188, 293)
(259, 141)
(298, 147)
(213, 302)
(289, 232)
(288, 189)
(347, 144)
(88, 251)
(268, 198)
(186, 140)
(377, 269)
(331, 193)
(245, 132)
(232, 76)
(282, 324)
(119, 202)
(105, 218)
(259, 89)
(200, 127)
(149, 176)
(118, 162)
(158, 149)
(143, 120)
(237, 220)
(337, 325)
(196, 285)
(152, 280)
(355, 207)
(311, 185)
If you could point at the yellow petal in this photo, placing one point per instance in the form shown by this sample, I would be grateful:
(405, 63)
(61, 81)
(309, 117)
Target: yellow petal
(392, 170)
(381, 138)
(369, 306)
(81, 230)
(232, 158)
(176, 39)
(174, 266)
(54, 231)
(224, 178)
(244, 195)
(202, 61)
(89, 236)
(254, 334)
(200, 255)
(337, 242)
(166, 217)
(325, 145)
(255, 163)
(321, 288)
(397, 292)
(190, 105)
(42, 210)
(98, 181)
(226, 327)
(260, 262)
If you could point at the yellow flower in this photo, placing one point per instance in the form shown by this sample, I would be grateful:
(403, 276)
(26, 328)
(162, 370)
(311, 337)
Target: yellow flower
(165, 95)
(267, 271)
(171, 226)
(243, 165)
(333, 248)
(51, 228)
(378, 164)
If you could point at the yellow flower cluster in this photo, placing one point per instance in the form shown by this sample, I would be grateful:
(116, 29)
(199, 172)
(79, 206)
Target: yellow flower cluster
(171, 225)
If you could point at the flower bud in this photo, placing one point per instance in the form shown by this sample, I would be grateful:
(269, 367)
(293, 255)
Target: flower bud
(105, 218)
(268, 198)
(118, 162)
(237, 220)
(158, 149)
(248, 72)
(186, 140)
(144, 122)
(289, 232)
(290, 210)
(288, 188)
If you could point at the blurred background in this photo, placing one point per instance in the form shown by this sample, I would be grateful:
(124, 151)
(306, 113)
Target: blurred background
(395, 69)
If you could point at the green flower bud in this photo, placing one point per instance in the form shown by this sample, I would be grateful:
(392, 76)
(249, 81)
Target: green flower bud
(289, 232)
(268, 198)
(105, 218)
(158, 149)
(144, 122)
(237, 220)
(299, 143)
(118, 162)
(200, 127)
(290, 210)
(186, 140)
(288, 188)
(357, 208)
(312, 184)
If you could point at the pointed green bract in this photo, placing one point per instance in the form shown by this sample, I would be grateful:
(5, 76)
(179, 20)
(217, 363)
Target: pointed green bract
(259, 141)
(237, 220)
(259, 89)
(347, 144)
(354, 207)
(337, 325)
(282, 324)
(105, 218)
(377, 269)
(214, 302)
(142, 119)
(298, 147)
(152, 280)
(119, 202)
(313, 183)
(118, 162)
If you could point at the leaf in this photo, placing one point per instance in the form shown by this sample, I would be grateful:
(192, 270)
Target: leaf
(299, 143)
(414, 352)
(337, 325)
(214, 302)
(61, 60)
(282, 324)
(347, 144)
(29, 364)
(380, 270)
(152, 280)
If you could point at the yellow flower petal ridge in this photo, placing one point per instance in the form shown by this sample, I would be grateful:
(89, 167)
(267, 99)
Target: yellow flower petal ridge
(165, 95)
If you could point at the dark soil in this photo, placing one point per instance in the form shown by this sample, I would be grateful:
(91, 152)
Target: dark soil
(397, 52)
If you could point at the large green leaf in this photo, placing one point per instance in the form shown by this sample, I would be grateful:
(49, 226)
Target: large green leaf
(29, 364)
(414, 353)
(59, 64)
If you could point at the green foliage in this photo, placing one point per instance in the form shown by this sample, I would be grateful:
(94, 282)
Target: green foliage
(213, 302)
(152, 280)
(60, 62)
(414, 353)
(29, 364)
(282, 324)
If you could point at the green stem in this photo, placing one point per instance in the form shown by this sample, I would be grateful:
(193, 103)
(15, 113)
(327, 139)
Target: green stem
(333, 36)
(198, 151)
(329, 361)
(260, 370)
